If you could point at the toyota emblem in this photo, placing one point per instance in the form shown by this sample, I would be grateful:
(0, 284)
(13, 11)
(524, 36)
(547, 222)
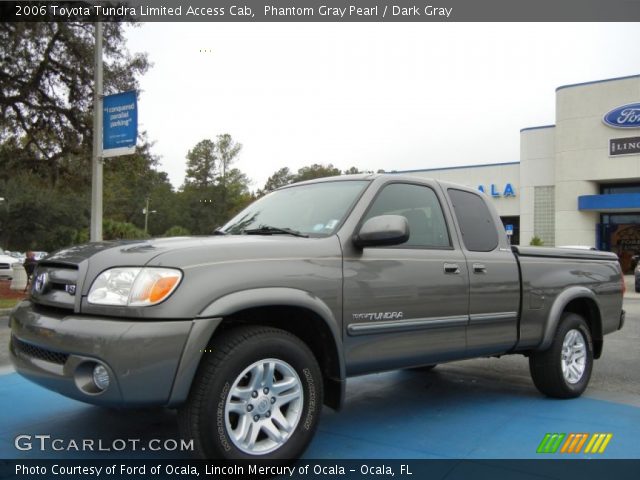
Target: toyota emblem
(41, 282)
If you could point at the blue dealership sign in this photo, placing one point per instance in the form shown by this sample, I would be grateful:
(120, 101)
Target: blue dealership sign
(625, 116)
(120, 124)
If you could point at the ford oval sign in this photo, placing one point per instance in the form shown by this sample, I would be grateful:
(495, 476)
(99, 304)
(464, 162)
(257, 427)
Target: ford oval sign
(626, 116)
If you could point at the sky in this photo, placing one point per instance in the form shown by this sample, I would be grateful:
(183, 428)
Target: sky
(392, 96)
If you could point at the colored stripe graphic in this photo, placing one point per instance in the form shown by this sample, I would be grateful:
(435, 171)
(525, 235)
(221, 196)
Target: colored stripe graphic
(550, 443)
(598, 443)
(573, 443)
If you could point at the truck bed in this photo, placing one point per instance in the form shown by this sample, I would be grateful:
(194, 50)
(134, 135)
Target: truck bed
(555, 276)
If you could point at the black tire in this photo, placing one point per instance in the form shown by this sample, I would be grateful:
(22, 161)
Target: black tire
(204, 417)
(637, 288)
(546, 366)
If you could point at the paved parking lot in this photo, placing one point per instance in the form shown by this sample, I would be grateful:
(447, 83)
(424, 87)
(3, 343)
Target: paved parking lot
(476, 409)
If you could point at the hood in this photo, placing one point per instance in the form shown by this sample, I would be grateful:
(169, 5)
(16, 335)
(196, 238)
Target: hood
(184, 252)
(179, 251)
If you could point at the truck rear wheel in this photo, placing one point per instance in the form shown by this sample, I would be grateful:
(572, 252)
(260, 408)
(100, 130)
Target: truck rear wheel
(257, 395)
(564, 369)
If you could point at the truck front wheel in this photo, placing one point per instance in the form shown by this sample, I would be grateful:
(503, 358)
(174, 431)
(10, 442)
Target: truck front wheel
(257, 395)
(564, 369)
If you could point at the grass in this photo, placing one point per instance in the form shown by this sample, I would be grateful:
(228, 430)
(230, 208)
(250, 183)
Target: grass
(9, 302)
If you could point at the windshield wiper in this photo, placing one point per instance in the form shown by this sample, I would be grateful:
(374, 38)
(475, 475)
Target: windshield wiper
(269, 230)
(217, 231)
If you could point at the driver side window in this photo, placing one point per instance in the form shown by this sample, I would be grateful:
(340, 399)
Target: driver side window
(420, 206)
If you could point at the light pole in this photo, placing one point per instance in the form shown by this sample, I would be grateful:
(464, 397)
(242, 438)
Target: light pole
(146, 212)
(96, 161)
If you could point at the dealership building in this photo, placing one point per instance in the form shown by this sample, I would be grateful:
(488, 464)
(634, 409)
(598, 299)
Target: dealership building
(577, 181)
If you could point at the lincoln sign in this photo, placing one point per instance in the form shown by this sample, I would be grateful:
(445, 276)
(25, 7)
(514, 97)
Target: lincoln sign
(624, 146)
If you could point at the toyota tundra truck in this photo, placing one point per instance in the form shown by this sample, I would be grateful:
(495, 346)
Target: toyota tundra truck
(250, 331)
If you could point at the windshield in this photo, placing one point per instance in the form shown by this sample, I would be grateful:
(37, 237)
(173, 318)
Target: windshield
(315, 209)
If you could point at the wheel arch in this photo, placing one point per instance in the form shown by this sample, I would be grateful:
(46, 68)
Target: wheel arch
(579, 300)
(291, 310)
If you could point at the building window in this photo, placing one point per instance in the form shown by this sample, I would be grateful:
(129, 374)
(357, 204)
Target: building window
(544, 218)
(619, 188)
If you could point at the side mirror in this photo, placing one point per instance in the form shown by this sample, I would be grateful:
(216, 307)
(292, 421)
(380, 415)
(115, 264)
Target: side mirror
(382, 230)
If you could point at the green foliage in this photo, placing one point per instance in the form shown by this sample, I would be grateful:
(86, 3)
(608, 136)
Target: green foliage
(536, 241)
(316, 171)
(280, 178)
(46, 89)
(202, 164)
(38, 216)
(46, 103)
(177, 231)
(213, 191)
(113, 230)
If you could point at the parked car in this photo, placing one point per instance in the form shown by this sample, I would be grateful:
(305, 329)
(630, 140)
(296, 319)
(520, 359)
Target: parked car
(6, 266)
(636, 274)
(250, 331)
(18, 256)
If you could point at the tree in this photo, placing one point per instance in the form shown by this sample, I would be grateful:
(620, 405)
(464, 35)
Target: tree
(46, 102)
(46, 89)
(280, 178)
(352, 171)
(227, 150)
(202, 164)
(213, 191)
(316, 171)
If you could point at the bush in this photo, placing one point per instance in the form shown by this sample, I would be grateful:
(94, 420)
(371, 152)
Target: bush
(112, 230)
(177, 231)
(536, 241)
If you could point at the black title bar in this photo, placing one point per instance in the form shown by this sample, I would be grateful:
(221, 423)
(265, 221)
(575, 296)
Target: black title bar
(306, 469)
(326, 11)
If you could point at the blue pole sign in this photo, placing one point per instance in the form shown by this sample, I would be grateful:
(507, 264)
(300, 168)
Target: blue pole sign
(508, 229)
(120, 124)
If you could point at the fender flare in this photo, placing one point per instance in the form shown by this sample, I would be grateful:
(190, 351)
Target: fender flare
(558, 307)
(212, 316)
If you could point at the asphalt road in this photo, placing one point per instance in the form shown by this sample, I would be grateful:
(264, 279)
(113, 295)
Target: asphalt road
(616, 375)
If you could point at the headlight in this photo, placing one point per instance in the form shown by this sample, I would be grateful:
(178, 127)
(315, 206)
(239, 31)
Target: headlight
(134, 286)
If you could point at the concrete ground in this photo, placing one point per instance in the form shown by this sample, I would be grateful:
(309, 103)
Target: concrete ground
(475, 409)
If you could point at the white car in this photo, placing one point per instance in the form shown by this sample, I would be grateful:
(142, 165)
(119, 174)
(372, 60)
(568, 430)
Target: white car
(6, 266)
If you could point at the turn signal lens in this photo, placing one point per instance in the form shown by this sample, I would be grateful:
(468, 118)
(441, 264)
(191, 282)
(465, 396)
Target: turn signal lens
(154, 285)
(162, 288)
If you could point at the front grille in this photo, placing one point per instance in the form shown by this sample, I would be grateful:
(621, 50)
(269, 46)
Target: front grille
(38, 352)
(55, 285)
(4, 266)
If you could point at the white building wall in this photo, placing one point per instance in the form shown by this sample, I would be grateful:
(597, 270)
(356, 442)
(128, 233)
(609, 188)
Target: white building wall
(537, 169)
(582, 159)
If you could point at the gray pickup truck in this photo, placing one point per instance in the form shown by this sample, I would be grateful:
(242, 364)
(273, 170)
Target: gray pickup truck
(250, 331)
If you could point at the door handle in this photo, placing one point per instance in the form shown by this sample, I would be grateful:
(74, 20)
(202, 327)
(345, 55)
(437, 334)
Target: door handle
(479, 268)
(451, 268)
